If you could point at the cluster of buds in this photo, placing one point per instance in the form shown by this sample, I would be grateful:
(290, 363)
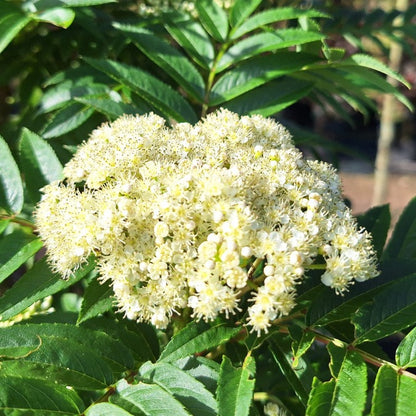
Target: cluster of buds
(183, 217)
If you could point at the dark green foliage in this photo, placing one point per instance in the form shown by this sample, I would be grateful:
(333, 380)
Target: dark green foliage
(68, 68)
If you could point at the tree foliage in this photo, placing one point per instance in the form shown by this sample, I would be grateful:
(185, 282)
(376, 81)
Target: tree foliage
(92, 61)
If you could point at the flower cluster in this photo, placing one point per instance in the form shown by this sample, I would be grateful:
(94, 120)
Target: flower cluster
(184, 217)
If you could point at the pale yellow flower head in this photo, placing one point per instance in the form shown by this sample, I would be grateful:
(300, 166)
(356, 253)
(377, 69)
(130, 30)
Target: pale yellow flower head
(181, 217)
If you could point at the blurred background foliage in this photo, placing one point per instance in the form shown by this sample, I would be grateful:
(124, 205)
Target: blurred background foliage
(48, 86)
(318, 66)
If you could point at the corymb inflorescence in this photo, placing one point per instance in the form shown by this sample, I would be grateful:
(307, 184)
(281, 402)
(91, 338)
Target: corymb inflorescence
(185, 216)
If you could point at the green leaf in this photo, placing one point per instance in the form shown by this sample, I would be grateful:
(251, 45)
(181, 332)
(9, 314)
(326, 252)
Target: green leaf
(288, 370)
(185, 388)
(196, 337)
(406, 351)
(368, 61)
(403, 241)
(83, 3)
(256, 72)
(116, 354)
(23, 396)
(150, 399)
(270, 98)
(391, 310)
(12, 21)
(385, 390)
(140, 338)
(202, 369)
(301, 342)
(68, 90)
(57, 16)
(82, 369)
(148, 87)
(11, 187)
(272, 16)
(15, 249)
(377, 221)
(345, 394)
(173, 62)
(266, 42)
(66, 354)
(40, 164)
(213, 18)
(67, 119)
(393, 393)
(36, 284)
(372, 80)
(406, 396)
(241, 10)
(98, 298)
(337, 308)
(106, 409)
(235, 388)
(109, 107)
(192, 37)
(320, 399)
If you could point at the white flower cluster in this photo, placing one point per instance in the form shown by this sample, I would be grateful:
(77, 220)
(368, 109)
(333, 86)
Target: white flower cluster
(181, 217)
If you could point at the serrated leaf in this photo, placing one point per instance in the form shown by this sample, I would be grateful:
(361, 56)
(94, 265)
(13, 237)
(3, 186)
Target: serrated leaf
(150, 399)
(393, 393)
(15, 249)
(98, 298)
(12, 21)
(65, 92)
(11, 187)
(41, 335)
(337, 308)
(192, 37)
(106, 409)
(39, 162)
(320, 398)
(203, 369)
(196, 337)
(37, 397)
(173, 62)
(140, 338)
(385, 390)
(235, 388)
(186, 389)
(148, 87)
(241, 10)
(67, 119)
(213, 18)
(110, 108)
(372, 63)
(403, 241)
(392, 309)
(79, 368)
(364, 78)
(301, 342)
(270, 98)
(272, 16)
(266, 42)
(57, 16)
(406, 351)
(377, 221)
(36, 284)
(288, 370)
(256, 72)
(345, 394)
